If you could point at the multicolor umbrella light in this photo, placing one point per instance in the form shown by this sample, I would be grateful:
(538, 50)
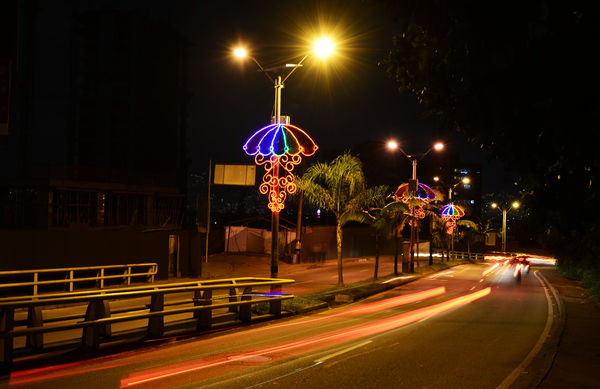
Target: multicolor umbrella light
(279, 148)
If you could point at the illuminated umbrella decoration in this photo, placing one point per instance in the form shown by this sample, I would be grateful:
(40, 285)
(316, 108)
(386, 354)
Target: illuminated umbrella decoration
(279, 147)
(451, 213)
(424, 194)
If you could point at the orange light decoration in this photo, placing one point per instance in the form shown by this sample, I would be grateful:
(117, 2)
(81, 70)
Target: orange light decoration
(279, 148)
(451, 213)
(424, 193)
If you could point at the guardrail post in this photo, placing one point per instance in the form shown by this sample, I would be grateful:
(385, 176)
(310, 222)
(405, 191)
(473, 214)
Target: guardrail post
(204, 316)
(34, 319)
(35, 285)
(233, 298)
(7, 322)
(156, 324)
(97, 309)
(71, 279)
(128, 275)
(275, 306)
(154, 270)
(102, 278)
(246, 309)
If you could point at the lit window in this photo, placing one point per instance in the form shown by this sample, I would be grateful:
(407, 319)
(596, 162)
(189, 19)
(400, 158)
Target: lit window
(472, 201)
(467, 186)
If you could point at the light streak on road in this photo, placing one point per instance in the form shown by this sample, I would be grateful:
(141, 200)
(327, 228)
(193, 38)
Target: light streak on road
(486, 272)
(70, 369)
(331, 338)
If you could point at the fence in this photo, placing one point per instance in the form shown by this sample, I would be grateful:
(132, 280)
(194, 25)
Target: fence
(19, 281)
(454, 255)
(199, 300)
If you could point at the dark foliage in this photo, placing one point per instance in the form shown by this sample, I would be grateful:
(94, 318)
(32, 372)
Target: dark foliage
(520, 80)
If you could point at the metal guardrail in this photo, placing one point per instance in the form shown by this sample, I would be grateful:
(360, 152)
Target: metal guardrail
(240, 295)
(467, 255)
(71, 277)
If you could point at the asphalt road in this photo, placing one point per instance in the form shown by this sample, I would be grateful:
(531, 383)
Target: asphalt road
(460, 328)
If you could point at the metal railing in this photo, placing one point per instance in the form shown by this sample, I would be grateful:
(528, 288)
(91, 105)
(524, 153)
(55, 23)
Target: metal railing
(71, 277)
(466, 255)
(137, 303)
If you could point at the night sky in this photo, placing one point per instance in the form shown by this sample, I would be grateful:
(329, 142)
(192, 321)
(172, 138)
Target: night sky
(341, 103)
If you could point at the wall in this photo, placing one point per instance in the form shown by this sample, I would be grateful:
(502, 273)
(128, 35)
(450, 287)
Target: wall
(37, 249)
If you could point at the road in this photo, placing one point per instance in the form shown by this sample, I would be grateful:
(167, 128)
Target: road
(465, 327)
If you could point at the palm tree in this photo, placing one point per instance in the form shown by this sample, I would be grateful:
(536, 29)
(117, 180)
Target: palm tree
(474, 232)
(340, 187)
(387, 221)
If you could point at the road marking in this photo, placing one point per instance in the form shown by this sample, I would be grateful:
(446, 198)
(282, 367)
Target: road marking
(512, 377)
(285, 375)
(397, 278)
(321, 360)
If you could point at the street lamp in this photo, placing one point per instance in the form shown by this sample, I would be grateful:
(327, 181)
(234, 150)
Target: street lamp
(285, 146)
(450, 212)
(413, 186)
(505, 210)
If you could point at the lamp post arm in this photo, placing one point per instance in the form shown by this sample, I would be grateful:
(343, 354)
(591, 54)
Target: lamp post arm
(299, 64)
(262, 70)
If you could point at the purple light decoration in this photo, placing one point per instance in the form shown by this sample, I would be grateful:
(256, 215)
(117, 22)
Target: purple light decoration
(280, 139)
(424, 192)
(451, 210)
(451, 213)
(279, 148)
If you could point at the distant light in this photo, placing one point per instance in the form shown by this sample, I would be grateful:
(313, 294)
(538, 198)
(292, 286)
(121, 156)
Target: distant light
(438, 146)
(392, 145)
(323, 47)
(494, 205)
(436, 178)
(466, 180)
(516, 204)
(318, 213)
(240, 52)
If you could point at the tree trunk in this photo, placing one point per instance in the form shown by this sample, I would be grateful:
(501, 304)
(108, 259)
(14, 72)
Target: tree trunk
(396, 252)
(376, 254)
(339, 254)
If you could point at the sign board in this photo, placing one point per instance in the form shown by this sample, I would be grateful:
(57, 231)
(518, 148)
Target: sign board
(235, 175)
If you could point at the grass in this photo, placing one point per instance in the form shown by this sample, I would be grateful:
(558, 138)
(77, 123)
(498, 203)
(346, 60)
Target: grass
(356, 290)
(589, 277)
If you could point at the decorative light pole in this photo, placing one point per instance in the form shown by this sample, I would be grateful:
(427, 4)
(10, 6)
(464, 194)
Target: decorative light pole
(412, 191)
(279, 147)
(450, 212)
(505, 210)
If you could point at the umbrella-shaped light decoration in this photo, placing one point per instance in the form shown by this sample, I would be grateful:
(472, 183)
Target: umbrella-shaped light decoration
(451, 213)
(424, 193)
(279, 147)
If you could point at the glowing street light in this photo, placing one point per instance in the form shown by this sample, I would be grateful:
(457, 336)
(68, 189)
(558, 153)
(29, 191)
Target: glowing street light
(280, 146)
(413, 187)
(504, 210)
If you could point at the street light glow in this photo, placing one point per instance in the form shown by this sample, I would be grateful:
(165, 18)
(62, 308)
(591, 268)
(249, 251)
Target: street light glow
(240, 52)
(516, 204)
(494, 205)
(438, 146)
(466, 180)
(392, 145)
(323, 47)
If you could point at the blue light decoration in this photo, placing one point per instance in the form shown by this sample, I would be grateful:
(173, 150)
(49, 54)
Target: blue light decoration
(424, 193)
(451, 213)
(279, 147)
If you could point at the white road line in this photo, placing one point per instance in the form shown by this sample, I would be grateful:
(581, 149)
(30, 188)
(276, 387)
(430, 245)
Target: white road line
(511, 378)
(321, 360)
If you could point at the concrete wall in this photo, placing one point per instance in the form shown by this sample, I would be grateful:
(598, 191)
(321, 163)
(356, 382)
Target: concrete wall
(38, 249)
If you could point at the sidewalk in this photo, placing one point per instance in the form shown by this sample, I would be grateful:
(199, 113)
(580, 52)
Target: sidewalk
(577, 362)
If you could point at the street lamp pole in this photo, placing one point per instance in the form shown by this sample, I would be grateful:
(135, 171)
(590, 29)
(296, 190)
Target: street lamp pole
(505, 210)
(413, 189)
(322, 48)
